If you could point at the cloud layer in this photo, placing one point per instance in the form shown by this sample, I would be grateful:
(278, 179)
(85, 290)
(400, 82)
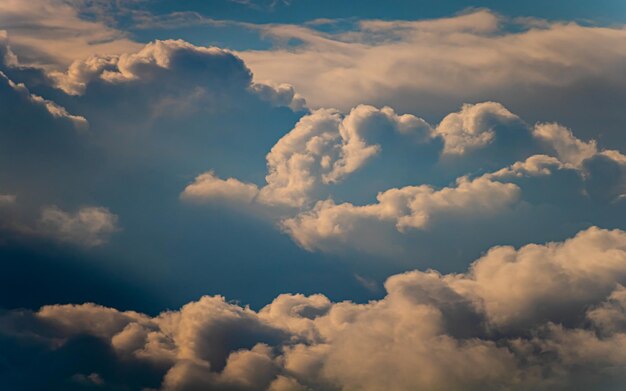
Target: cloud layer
(504, 164)
(539, 317)
(52, 34)
(538, 68)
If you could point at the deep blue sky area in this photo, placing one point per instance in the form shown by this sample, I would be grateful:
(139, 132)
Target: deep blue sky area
(298, 11)
(602, 12)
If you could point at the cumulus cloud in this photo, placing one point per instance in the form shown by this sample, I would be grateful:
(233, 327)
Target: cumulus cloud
(323, 148)
(308, 165)
(517, 287)
(472, 127)
(129, 98)
(406, 208)
(280, 95)
(207, 187)
(218, 65)
(610, 316)
(539, 317)
(209, 73)
(364, 122)
(568, 148)
(88, 226)
(19, 92)
(533, 166)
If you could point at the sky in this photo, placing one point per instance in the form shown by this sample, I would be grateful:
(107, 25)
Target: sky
(298, 195)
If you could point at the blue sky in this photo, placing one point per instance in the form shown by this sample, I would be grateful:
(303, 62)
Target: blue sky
(257, 195)
(606, 11)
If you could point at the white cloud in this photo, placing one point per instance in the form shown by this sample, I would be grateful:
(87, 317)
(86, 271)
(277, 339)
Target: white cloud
(282, 383)
(411, 207)
(472, 127)
(88, 226)
(207, 187)
(280, 95)
(295, 161)
(363, 122)
(610, 316)
(569, 149)
(90, 318)
(518, 287)
(454, 59)
(145, 63)
(515, 320)
(177, 77)
(322, 149)
(51, 34)
(535, 165)
(307, 164)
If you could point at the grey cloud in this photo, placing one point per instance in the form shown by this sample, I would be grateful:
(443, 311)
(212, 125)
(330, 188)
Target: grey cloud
(18, 94)
(88, 226)
(130, 99)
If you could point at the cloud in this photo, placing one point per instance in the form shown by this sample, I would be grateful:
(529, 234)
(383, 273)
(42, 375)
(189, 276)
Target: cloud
(7, 199)
(218, 66)
(280, 95)
(472, 127)
(207, 187)
(18, 94)
(168, 78)
(517, 287)
(52, 34)
(512, 166)
(263, 4)
(88, 226)
(533, 166)
(364, 122)
(211, 74)
(569, 149)
(406, 208)
(180, 102)
(364, 178)
(323, 148)
(431, 66)
(473, 49)
(539, 317)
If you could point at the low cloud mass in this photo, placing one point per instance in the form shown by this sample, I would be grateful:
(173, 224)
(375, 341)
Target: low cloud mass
(544, 316)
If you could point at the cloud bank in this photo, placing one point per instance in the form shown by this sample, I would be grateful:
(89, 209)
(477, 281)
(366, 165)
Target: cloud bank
(538, 68)
(503, 161)
(547, 316)
(52, 34)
